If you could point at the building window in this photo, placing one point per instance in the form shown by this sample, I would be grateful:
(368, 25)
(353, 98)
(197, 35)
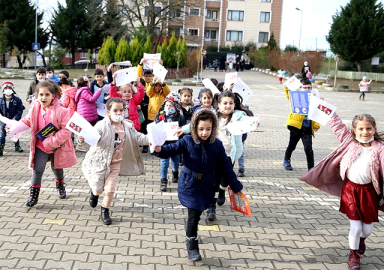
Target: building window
(156, 10)
(264, 17)
(210, 34)
(263, 37)
(211, 15)
(175, 30)
(68, 55)
(266, 1)
(234, 35)
(175, 13)
(83, 55)
(194, 12)
(235, 15)
(193, 32)
(157, 31)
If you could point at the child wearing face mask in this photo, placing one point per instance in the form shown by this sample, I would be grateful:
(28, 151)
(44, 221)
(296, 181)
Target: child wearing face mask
(354, 172)
(40, 77)
(51, 74)
(57, 147)
(170, 112)
(11, 107)
(204, 156)
(116, 153)
(132, 96)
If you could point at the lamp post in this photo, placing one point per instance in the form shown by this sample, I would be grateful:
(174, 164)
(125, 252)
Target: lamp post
(301, 25)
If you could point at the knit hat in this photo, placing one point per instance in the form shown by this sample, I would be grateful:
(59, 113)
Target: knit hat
(364, 77)
(7, 84)
(174, 99)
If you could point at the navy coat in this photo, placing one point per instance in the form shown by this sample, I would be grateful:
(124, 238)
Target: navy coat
(15, 110)
(204, 158)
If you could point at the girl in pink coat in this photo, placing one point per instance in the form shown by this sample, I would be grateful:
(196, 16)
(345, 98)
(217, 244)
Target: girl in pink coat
(354, 172)
(86, 101)
(131, 97)
(56, 147)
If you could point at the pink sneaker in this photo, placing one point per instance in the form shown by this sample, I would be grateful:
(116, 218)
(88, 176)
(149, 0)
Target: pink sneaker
(354, 259)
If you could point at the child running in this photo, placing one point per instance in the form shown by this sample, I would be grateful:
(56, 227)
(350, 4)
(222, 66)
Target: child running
(203, 156)
(57, 148)
(117, 153)
(364, 84)
(354, 171)
(131, 96)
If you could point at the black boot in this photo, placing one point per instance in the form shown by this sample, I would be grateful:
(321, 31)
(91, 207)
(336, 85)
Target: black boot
(241, 173)
(1, 149)
(221, 197)
(211, 212)
(61, 188)
(145, 149)
(93, 200)
(193, 248)
(164, 184)
(175, 177)
(34, 196)
(105, 216)
(17, 147)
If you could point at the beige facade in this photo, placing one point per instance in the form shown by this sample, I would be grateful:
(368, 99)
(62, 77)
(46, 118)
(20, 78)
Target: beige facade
(222, 22)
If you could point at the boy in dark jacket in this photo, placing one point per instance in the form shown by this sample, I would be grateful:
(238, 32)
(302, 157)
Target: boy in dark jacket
(40, 77)
(169, 112)
(11, 107)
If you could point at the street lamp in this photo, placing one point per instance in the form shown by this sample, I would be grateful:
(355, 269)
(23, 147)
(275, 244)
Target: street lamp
(301, 25)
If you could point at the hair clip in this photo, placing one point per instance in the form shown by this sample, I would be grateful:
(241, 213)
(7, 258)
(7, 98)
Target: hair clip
(85, 78)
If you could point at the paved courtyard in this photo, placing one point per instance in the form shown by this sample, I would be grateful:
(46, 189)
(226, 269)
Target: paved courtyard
(293, 225)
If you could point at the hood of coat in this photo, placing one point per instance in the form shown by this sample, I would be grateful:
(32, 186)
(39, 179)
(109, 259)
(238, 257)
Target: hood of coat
(71, 92)
(204, 114)
(79, 91)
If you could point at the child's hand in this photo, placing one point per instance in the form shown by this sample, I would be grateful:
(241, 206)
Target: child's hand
(29, 100)
(143, 60)
(158, 149)
(138, 80)
(231, 86)
(179, 132)
(161, 62)
(8, 128)
(315, 129)
(114, 78)
(138, 107)
(80, 139)
(110, 67)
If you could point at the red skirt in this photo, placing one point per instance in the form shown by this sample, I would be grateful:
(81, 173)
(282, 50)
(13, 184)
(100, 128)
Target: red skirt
(359, 202)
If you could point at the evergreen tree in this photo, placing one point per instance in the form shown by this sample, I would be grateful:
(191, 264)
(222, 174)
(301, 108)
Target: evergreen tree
(148, 45)
(172, 49)
(122, 51)
(94, 27)
(110, 50)
(113, 25)
(21, 21)
(4, 31)
(101, 57)
(137, 53)
(356, 33)
(272, 45)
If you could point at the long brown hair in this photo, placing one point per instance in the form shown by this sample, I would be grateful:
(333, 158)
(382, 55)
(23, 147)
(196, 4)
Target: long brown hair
(51, 86)
(378, 136)
(238, 103)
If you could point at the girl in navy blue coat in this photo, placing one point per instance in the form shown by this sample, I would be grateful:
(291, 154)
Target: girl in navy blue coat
(11, 107)
(203, 156)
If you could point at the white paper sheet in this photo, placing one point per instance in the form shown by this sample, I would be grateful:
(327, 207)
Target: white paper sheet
(124, 63)
(101, 109)
(16, 129)
(293, 84)
(151, 60)
(247, 124)
(159, 71)
(242, 88)
(157, 135)
(126, 76)
(230, 77)
(209, 84)
(171, 128)
(320, 111)
(78, 125)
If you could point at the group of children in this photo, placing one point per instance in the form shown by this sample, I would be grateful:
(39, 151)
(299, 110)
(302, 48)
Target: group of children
(354, 171)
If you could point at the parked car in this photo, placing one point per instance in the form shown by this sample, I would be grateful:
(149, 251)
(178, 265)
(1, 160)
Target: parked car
(82, 62)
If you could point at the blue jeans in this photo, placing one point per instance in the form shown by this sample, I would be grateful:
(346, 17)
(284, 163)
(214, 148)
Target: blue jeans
(3, 134)
(241, 160)
(165, 165)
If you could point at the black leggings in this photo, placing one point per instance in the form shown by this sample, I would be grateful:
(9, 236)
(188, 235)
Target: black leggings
(305, 134)
(362, 94)
(193, 222)
(40, 160)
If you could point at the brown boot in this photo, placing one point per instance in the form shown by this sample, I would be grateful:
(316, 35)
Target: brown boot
(363, 99)
(359, 98)
(362, 246)
(354, 259)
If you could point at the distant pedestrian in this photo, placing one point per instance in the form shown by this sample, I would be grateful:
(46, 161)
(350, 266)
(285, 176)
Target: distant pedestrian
(281, 73)
(305, 69)
(222, 63)
(355, 172)
(364, 87)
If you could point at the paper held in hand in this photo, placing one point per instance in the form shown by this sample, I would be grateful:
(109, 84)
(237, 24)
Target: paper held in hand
(209, 84)
(124, 63)
(320, 111)
(151, 60)
(239, 202)
(247, 124)
(242, 89)
(17, 128)
(293, 84)
(78, 125)
(159, 71)
(126, 76)
(101, 109)
(171, 128)
(230, 77)
(299, 101)
(157, 135)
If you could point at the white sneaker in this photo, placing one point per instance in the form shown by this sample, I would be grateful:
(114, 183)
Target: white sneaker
(81, 148)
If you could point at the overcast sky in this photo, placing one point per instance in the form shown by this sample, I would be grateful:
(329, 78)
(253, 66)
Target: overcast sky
(317, 17)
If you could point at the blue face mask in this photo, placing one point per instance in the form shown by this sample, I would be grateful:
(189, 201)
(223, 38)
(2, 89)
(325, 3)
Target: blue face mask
(170, 111)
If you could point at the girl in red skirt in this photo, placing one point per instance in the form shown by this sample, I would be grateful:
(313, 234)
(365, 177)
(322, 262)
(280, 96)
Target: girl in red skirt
(354, 171)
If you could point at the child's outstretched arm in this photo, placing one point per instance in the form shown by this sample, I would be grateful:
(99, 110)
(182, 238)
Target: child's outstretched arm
(138, 97)
(113, 91)
(171, 150)
(286, 91)
(141, 138)
(339, 128)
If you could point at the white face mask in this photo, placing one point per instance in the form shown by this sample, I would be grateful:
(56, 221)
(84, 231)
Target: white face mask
(49, 76)
(361, 141)
(8, 92)
(117, 118)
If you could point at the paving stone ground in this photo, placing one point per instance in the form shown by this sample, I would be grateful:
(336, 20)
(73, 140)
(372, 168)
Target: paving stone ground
(293, 225)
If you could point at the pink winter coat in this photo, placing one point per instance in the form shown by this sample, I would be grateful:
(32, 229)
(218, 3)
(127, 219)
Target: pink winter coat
(68, 99)
(86, 103)
(133, 102)
(65, 154)
(330, 173)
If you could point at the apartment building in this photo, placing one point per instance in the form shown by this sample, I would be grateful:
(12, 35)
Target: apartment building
(221, 22)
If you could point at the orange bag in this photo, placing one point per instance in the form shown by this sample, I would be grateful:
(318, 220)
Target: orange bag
(239, 202)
